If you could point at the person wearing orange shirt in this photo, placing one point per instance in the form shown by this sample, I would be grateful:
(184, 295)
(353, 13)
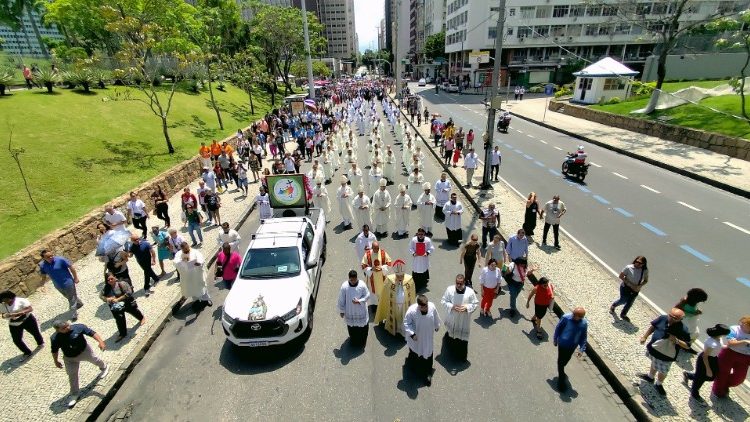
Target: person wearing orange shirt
(215, 150)
(228, 149)
(205, 154)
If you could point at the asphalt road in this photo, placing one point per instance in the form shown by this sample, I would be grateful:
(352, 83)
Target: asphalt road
(192, 373)
(693, 235)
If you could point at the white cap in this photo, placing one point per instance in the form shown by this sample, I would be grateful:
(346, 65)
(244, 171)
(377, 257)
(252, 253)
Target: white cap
(361, 189)
(343, 179)
(383, 182)
(402, 187)
(426, 185)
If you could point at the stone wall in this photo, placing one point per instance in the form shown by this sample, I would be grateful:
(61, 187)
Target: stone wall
(733, 147)
(19, 272)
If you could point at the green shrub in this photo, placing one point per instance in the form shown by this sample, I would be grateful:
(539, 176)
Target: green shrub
(614, 100)
(67, 79)
(6, 78)
(85, 78)
(564, 91)
(642, 88)
(102, 77)
(48, 78)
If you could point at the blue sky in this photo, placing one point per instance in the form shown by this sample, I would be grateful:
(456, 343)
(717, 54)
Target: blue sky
(367, 16)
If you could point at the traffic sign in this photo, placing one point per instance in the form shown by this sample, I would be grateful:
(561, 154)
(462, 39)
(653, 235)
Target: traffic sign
(476, 57)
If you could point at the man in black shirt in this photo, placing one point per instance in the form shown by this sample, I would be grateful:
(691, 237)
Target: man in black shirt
(70, 339)
(145, 257)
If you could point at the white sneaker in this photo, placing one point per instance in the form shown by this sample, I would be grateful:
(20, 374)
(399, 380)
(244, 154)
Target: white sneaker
(151, 290)
(104, 372)
(72, 402)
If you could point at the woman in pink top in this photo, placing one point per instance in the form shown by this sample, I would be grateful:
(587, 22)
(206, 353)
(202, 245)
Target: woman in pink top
(228, 264)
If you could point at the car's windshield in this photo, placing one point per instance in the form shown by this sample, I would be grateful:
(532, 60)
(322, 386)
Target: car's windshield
(271, 263)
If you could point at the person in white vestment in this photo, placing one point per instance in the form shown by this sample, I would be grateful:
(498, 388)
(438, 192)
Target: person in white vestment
(452, 211)
(420, 248)
(402, 211)
(343, 195)
(361, 206)
(230, 236)
(389, 165)
(459, 301)
(416, 181)
(442, 194)
(381, 205)
(352, 306)
(426, 205)
(355, 175)
(320, 198)
(263, 202)
(190, 265)
(363, 242)
(421, 322)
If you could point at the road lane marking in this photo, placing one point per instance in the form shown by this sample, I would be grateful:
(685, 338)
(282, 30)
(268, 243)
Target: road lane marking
(746, 231)
(650, 188)
(543, 141)
(620, 176)
(623, 212)
(530, 136)
(582, 188)
(652, 229)
(601, 199)
(528, 157)
(558, 148)
(688, 206)
(555, 172)
(518, 150)
(744, 281)
(595, 165)
(696, 254)
(508, 145)
(539, 163)
(519, 130)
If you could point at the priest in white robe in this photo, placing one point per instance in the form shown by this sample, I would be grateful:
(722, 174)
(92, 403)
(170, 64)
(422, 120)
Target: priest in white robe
(402, 211)
(389, 165)
(343, 196)
(354, 174)
(421, 322)
(320, 198)
(375, 263)
(190, 266)
(416, 181)
(352, 306)
(421, 248)
(263, 202)
(459, 301)
(381, 204)
(361, 206)
(442, 194)
(452, 211)
(363, 242)
(426, 205)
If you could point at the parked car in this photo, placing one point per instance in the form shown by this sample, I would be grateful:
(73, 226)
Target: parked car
(429, 80)
(273, 298)
(422, 82)
(452, 88)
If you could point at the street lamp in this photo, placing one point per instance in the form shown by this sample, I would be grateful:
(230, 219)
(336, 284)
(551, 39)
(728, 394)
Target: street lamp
(486, 183)
(310, 82)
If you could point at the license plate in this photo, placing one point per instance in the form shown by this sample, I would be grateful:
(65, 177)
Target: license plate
(258, 344)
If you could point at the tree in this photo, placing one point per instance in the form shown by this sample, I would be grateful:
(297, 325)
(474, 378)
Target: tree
(434, 46)
(154, 42)
(278, 32)
(299, 68)
(11, 14)
(82, 24)
(737, 38)
(246, 72)
(668, 21)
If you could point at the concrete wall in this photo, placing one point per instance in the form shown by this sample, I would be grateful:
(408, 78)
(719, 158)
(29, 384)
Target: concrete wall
(19, 272)
(733, 147)
(697, 66)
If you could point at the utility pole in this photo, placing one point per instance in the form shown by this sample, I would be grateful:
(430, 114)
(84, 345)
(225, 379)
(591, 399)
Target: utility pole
(310, 81)
(397, 57)
(490, 133)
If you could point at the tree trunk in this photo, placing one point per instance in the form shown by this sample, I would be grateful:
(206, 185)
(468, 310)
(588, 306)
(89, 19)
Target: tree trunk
(275, 87)
(165, 130)
(661, 74)
(742, 81)
(38, 34)
(250, 97)
(213, 100)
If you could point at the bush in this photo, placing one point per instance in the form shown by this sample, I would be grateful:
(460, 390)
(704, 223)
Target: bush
(564, 91)
(85, 78)
(642, 89)
(67, 79)
(614, 100)
(48, 78)
(6, 78)
(102, 77)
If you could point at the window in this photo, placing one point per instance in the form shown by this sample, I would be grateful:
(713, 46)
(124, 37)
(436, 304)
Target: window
(577, 10)
(543, 12)
(558, 30)
(509, 31)
(591, 30)
(574, 30)
(492, 32)
(512, 11)
(594, 10)
(524, 32)
(622, 29)
(659, 9)
(614, 84)
(585, 83)
(560, 11)
(541, 31)
(527, 12)
(605, 30)
(609, 11)
(271, 263)
(643, 9)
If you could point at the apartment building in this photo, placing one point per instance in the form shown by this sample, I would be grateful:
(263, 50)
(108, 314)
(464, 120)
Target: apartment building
(24, 41)
(542, 35)
(381, 35)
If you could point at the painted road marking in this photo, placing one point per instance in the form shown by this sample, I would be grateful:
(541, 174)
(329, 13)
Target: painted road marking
(518, 151)
(539, 163)
(595, 165)
(620, 176)
(556, 173)
(689, 206)
(558, 148)
(582, 188)
(696, 254)
(744, 281)
(543, 141)
(508, 145)
(601, 199)
(528, 157)
(650, 188)
(519, 130)
(623, 212)
(530, 136)
(746, 231)
(652, 229)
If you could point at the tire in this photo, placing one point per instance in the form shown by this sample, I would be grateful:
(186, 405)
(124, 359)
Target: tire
(581, 176)
(310, 316)
(324, 252)
(565, 168)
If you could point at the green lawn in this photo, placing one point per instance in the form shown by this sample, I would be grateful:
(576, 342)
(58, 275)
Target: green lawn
(676, 86)
(690, 115)
(82, 151)
(16, 62)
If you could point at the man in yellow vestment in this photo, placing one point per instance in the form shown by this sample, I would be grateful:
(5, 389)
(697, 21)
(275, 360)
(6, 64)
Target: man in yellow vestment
(397, 295)
(375, 264)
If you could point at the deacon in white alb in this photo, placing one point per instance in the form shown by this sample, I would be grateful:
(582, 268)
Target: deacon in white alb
(361, 205)
(189, 264)
(363, 242)
(381, 204)
(231, 236)
(453, 210)
(421, 322)
(345, 204)
(442, 194)
(320, 198)
(263, 202)
(459, 301)
(426, 205)
(352, 306)
(401, 211)
(420, 248)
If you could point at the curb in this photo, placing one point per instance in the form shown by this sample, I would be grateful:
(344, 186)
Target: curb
(616, 380)
(106, 393)
(723, 186)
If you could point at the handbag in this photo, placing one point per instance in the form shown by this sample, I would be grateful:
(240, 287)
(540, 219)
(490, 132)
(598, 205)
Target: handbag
(665, 347)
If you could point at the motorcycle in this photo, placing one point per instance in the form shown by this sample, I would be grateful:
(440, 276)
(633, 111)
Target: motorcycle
(571, 169)
(503, 123)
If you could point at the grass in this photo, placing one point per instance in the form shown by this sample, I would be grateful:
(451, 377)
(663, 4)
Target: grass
(689, 115)
(81, 151)
(16, 63)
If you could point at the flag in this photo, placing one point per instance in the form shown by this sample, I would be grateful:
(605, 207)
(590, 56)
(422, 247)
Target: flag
(311, 104)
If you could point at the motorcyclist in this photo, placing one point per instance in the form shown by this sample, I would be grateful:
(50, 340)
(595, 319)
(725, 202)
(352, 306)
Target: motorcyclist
(578, 158)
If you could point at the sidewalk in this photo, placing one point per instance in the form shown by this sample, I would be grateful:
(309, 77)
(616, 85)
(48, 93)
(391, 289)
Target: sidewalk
(37, 389)
(581, 281)
(716, 169)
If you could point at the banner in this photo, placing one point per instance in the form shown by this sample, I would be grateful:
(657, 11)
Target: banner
(287, 191)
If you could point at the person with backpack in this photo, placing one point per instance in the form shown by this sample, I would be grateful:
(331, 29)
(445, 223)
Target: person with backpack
(213, 204)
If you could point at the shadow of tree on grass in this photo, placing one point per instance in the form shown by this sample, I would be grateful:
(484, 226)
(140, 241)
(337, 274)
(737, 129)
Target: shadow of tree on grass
(125, 157)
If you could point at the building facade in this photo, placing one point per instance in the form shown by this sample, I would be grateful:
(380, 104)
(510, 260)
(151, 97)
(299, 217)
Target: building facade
(381, 35)
(24, 41)
(542, 35)
(337, 17)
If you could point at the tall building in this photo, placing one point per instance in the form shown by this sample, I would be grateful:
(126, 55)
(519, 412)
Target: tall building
(24, 41)
(381, 35)
(542, 35)
(434, 17)
(390, 15)
(337, 16)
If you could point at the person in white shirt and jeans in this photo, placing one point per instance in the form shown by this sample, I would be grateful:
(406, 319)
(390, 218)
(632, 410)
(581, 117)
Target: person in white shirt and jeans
(138, 213)
(496, 159)
(471, 162)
